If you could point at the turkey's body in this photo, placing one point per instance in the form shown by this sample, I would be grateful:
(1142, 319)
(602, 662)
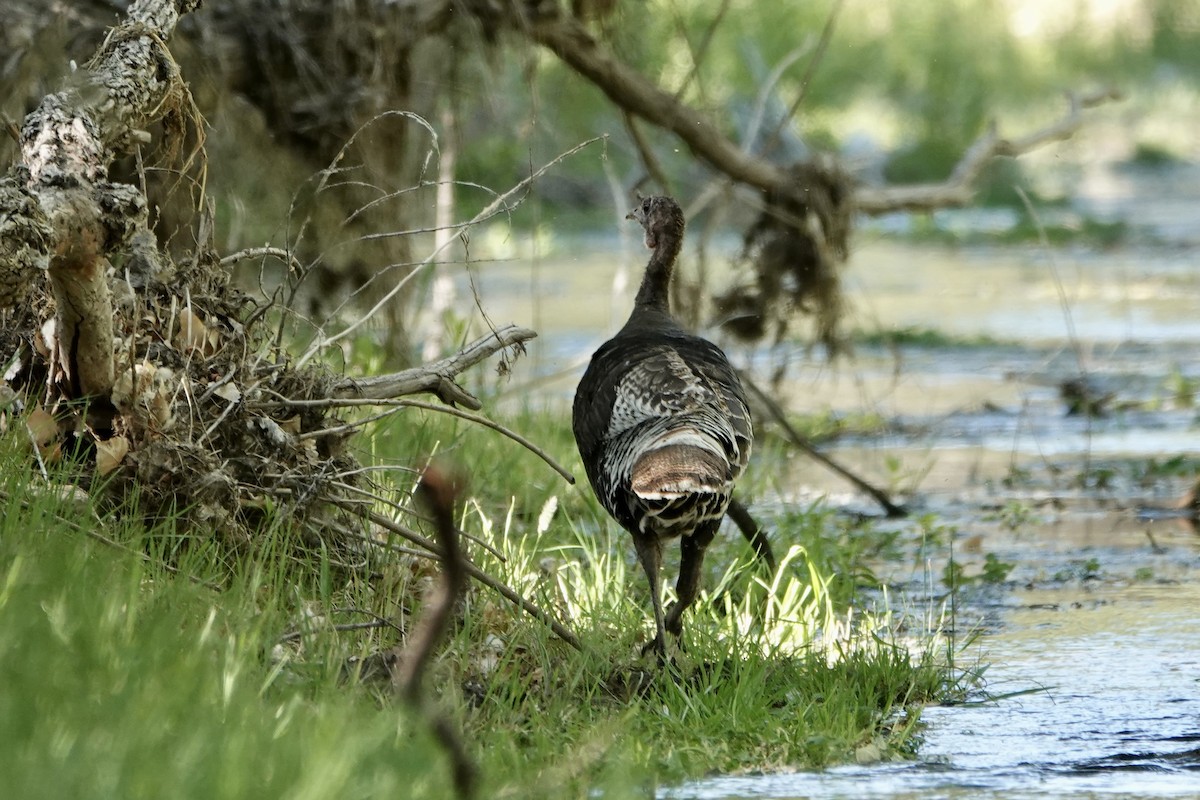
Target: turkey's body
(662, 425)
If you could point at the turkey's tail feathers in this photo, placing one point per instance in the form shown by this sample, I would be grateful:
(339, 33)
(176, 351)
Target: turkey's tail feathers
(676, 470)
(681, 482)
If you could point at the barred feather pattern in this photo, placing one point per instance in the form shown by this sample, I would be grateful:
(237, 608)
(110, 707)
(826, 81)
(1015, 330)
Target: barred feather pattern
(677, 437)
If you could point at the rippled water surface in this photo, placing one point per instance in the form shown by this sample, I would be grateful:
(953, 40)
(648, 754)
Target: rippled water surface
(1118, 713)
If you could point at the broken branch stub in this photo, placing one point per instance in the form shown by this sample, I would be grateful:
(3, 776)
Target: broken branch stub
(436, 377)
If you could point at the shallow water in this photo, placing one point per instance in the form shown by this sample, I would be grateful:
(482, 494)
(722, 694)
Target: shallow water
(1097, 632)
(1116, 714)
(1096, 637)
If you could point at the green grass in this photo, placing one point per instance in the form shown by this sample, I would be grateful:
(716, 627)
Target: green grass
(1084, 230)
(125, 679)
(922, 336)
(1153, 155)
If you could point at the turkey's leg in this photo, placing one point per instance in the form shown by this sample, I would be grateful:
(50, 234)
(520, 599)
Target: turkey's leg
(649, 552)
(688, 584)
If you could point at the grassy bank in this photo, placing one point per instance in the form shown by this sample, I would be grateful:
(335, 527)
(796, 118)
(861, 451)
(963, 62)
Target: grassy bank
(254, 674)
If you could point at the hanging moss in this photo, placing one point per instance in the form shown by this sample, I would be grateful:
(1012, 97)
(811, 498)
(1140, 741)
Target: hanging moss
(793, 252)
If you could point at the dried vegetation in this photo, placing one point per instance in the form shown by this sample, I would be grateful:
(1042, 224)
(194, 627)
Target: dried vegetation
(202, 414)
(195, 430)
(792, 253)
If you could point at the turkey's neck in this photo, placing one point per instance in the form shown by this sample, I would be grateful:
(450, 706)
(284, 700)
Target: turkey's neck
(655, 291)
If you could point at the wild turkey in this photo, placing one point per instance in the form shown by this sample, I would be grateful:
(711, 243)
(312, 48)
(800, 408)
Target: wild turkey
(662, 425)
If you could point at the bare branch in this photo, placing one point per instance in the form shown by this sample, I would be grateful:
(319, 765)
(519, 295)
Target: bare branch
(699, 51)
(805, 446)
(280, 253)
(572, 42)
(810, 72)
(437, 377)
(959, 189)
(487, 580)
(631, 91)
(334, 402)
(720, 184)
(646, 153)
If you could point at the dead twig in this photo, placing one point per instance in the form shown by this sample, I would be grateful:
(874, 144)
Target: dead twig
(436, 377)
(334, 402)
(802, 444)
(958, 190)
(438, 491)
(700, 51)
(322, 342)
(249, 253)
(650, 161)
(810, 72)
(376, 498)
(487, 580)
(720, 185)
(754, 533)
(344, 627)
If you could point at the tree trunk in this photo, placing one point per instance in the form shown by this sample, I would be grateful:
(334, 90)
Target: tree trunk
(67, 145)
